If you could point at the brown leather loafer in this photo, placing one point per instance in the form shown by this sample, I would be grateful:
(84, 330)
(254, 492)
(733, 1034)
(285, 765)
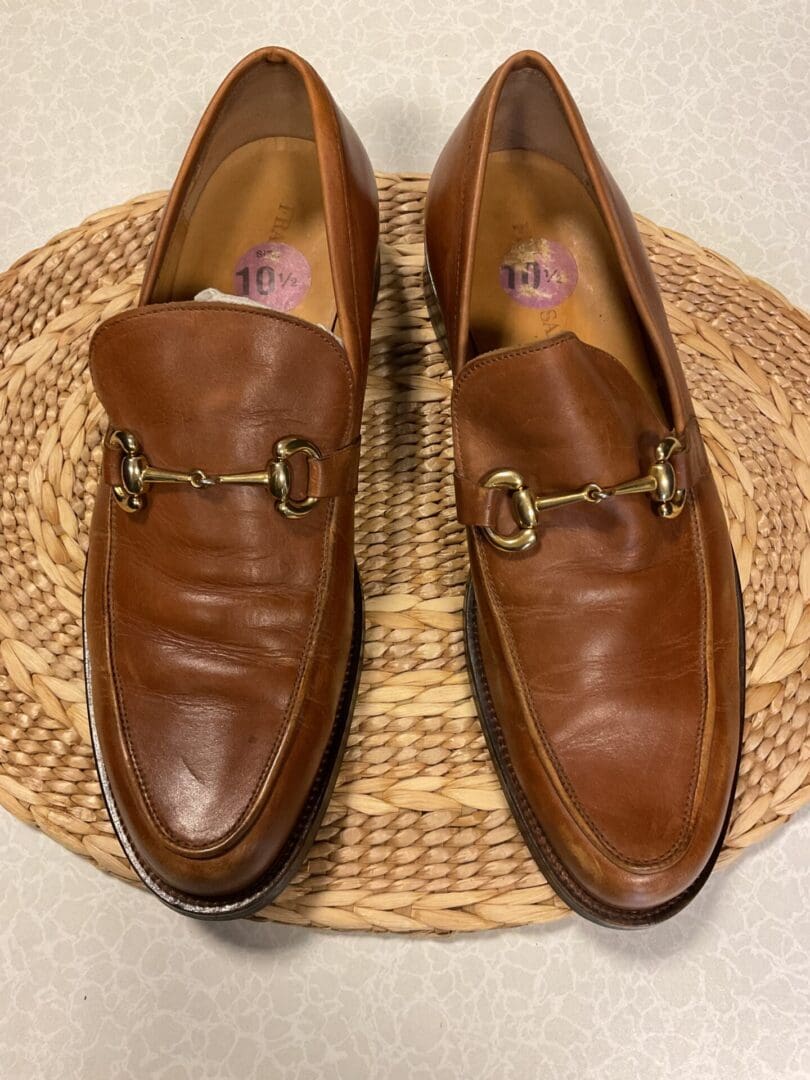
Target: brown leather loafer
(223, 613)
(603, 618)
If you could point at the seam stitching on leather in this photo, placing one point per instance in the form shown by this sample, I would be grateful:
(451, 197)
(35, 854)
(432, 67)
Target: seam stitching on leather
(306, 659)
(697, 544)
(632, 915)
(555, 761)
(301, 826)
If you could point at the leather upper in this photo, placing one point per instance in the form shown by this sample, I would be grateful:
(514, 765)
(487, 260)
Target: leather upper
(610, 649)
(218, 630)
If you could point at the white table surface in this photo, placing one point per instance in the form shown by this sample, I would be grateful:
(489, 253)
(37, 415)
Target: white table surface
(701, 109)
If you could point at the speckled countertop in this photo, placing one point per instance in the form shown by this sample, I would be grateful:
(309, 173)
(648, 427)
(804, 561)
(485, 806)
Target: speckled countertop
(701, 109)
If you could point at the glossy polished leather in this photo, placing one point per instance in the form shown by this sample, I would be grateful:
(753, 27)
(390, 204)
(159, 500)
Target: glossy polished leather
(222, 637)
(605, 659)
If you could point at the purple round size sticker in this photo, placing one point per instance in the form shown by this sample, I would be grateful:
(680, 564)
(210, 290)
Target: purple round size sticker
(276, 275)
(538, 273)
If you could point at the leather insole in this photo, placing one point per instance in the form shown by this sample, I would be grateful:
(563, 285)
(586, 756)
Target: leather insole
(541, 238)
(265, 191)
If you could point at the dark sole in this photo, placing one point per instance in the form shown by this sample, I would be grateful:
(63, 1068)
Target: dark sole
(577, 898)
(276, 879)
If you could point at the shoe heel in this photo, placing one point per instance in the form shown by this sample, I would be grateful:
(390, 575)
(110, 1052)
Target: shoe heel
(434, 311)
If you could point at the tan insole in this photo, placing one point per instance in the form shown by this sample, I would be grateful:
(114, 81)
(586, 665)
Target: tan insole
(267, 190)
(541, 237)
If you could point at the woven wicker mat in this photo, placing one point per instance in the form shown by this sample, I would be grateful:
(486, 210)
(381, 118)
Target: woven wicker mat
(417, 836)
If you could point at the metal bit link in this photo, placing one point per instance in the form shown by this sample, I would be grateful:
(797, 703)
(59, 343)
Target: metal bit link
(137, 475)
(659, 483)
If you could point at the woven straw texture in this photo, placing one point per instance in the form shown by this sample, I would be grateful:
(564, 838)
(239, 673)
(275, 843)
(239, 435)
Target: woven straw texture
(417, 836)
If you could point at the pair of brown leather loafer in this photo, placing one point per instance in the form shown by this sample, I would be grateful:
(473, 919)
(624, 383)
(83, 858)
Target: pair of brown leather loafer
(223, 611)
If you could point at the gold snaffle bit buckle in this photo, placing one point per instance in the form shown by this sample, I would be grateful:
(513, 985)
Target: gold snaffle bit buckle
(137, 475)
(659, 483)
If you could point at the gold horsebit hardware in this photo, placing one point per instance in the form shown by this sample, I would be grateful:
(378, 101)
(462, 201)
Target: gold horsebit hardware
(659, 484)
(137, 475)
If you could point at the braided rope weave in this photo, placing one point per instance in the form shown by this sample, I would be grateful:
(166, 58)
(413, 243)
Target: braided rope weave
(417, 836)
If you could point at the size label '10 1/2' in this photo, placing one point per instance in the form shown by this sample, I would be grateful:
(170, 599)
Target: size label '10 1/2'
(538, 273)
(274, 274)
